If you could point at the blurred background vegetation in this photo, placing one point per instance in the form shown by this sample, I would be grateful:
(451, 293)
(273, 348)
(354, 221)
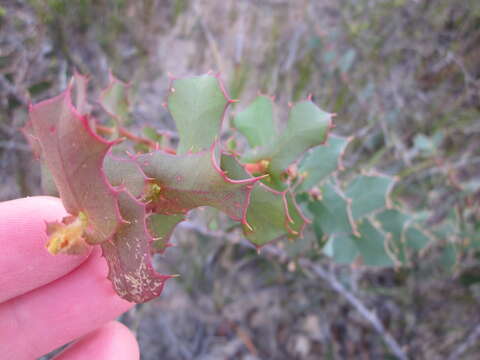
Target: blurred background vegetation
(403, 77)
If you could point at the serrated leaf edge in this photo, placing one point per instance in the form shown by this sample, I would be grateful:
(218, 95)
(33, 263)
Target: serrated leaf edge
(388, 200)
(112, 79)
(348, 200)
(288, 218)
(271, 98)
(150, 239)
(221, 85)
(389, 238)
(84, 120)
(387, 244)
(340, 166)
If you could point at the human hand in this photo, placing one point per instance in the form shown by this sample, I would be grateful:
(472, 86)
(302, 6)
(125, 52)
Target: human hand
(47, 301)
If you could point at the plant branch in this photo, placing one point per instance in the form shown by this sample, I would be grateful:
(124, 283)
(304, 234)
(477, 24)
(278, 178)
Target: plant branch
(468, 343)
(212, 43)
(13, 91)
(11, 145)
(138, 139)
(367, 314)
(317, 270)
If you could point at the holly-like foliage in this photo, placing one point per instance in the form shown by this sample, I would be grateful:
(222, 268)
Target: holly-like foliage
(130, 203)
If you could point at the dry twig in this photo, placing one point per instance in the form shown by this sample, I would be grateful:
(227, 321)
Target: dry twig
(330, 278)
(468, 343)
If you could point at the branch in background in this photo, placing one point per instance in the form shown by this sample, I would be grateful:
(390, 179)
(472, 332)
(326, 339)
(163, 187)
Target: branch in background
(212, 43)
(367, 314)
(12, 90)
(468, 343)
(240, 38)
(320, 272)
(293, 48)
(12, 145)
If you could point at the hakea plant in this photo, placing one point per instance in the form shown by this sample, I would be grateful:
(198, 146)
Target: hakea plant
(129, 203)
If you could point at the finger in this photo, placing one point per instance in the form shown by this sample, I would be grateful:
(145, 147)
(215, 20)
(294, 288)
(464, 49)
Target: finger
(48, 317)
(25, 264)
(113, 341)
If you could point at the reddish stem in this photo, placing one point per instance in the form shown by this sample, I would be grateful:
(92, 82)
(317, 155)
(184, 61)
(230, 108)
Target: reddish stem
(140, 140)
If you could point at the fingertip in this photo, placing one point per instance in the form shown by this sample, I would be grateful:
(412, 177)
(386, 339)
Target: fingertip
(25, 264)
(112, 341)
(71, 306)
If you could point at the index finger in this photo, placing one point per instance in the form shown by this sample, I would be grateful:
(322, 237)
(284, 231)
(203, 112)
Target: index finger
(25, 263)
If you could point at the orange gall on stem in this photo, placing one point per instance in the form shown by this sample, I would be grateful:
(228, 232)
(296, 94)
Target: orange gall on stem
(258, 167)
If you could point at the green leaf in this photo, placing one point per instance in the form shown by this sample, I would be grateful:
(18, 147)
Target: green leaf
(372, 245)
(125, 173)
(322, 238)
(188, 181)
(115, 99)
(268, 217)
(162, 226)
(333, 212)
(307, 126)
(393, 222)
(416, 238)
(369, 193)
(197, 105)
(321, 161)
(271, 214)
(344, 248)
(448, 258)
(255, 122)
(341, 248)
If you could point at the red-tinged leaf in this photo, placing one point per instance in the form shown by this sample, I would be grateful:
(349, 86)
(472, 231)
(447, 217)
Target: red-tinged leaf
(32, 139)
(47, 181)
(128, 255)
(48, 185)
(74, 155)
(123, 172)
(184, 182)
